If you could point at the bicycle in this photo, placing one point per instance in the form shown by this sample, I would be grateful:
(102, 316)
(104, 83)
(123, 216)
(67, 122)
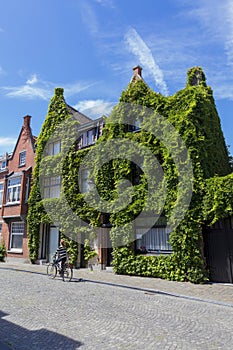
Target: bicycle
(54, 267)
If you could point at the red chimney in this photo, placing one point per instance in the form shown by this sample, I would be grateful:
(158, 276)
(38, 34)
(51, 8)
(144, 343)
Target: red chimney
(27, 120)
(137, 71)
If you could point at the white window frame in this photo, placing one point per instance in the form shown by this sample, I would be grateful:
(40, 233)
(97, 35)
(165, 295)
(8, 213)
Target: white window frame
(18, 231)
(52, 187)
(22, 158)
(13, 190)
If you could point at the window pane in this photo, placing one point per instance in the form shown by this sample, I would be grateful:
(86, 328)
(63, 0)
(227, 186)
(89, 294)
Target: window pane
(52, 187)
(17, 231)
(84, 139)
(22, 158)
(17, 241)
(46, 181)
(17, 227)
(155, 239)
(14, 181)
(56, 147)
(50, 149)
(55, 192)
(84, 181)
(55, 180)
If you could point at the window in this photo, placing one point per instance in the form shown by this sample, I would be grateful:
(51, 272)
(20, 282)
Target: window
(22, 158)
(84, 181)
(27, 188)
(89, 137)
(52, 187)
(0, 231)
(1, 192)
(3, 165)
(138, 124)
(13, 189)
(156, 239)
(17, 231)
(54, 148)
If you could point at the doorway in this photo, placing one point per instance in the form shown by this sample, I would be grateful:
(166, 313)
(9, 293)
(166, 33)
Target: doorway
(53, 241)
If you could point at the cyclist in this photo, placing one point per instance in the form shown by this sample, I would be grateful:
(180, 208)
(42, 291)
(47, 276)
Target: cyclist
(61, 254)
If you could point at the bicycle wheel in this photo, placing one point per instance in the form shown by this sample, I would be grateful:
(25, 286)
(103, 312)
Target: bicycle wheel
(67, 273)
(51, 270)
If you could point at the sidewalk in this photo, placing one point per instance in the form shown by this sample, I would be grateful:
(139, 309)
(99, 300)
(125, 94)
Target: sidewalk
(217, 293)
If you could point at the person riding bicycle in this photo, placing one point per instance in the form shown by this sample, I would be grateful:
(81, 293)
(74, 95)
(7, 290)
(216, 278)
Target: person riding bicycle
(61, 254)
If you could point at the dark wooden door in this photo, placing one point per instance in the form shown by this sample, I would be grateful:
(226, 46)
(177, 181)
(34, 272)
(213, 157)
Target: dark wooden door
(218, 250)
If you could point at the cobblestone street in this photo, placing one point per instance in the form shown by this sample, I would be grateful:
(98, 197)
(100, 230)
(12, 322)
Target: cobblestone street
(105, 311)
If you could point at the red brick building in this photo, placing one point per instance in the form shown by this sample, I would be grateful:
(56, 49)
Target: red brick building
(15, 180)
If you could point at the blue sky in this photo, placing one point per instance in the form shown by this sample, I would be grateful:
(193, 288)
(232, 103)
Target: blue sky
(89, 48)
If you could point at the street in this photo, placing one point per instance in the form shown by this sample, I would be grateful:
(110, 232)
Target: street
(38, 313)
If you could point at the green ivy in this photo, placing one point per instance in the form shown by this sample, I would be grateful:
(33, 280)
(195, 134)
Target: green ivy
(218, 200)
(193, 113)
(2, 251)
(58, 112)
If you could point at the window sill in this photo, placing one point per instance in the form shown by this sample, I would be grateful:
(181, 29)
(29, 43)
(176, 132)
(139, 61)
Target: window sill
(21, 165)
(15, 251)
(11, 203)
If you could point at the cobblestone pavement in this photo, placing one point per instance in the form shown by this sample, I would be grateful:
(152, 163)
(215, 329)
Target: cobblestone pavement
(104, 311)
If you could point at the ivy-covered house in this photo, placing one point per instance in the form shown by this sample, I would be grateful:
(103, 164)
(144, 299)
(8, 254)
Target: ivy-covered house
(145, 190)
(46, 214)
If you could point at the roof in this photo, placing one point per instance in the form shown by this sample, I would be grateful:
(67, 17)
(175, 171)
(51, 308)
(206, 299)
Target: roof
(82, 118)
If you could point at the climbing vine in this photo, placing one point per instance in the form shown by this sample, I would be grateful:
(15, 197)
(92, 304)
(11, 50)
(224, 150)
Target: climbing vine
(47, 165)
(193, 113)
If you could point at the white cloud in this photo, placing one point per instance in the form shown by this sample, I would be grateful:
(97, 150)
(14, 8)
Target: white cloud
(7, 144)
(106, 3)
(2, 71)
(74, 88)
(95, 108)
(27, 91)
(32, 80)
(35, 88)
(143, 53)
(89, 18)
(229, 31)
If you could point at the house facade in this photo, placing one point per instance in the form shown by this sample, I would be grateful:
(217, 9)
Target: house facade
(15, 181)
(208, 159)
(88, 133)
(154, 242)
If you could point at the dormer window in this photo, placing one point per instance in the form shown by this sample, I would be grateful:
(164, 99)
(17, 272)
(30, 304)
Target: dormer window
(22, 158)
(3, 165)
